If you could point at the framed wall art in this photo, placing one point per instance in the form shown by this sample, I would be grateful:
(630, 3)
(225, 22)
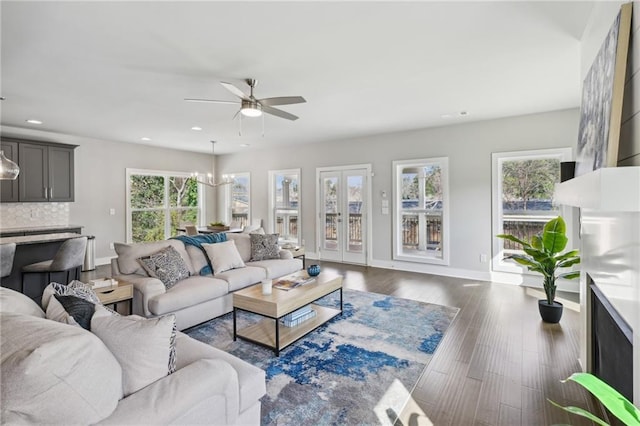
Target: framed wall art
(602, 92)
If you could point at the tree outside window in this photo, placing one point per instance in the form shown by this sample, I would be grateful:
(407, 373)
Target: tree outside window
(159, 203)
(524, 184)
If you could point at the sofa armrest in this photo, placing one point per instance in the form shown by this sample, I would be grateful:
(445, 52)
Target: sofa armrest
(144, 289)
(204, 392)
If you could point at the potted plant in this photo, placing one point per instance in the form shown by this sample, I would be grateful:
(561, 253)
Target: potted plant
(543, 255)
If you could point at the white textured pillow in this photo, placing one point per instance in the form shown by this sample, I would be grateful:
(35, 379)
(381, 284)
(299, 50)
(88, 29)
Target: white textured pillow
(223, 256)
(55, 374)
(142, 346)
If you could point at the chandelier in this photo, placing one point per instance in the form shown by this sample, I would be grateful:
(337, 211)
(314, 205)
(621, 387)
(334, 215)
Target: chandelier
(209, 178)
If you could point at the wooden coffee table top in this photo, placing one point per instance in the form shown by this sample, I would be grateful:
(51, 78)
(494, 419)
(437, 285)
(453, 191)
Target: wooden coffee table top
(281, 302)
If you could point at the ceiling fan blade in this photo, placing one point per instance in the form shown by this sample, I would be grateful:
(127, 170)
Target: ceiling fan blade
(211, 101)
(233, 89)
(278, 112)
(282, 100)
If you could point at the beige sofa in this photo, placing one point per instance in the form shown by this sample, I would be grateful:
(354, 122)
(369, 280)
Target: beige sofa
(56, 373)
(197, 298)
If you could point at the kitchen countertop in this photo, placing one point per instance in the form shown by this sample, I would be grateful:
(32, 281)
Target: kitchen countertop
(39, 228)
(37, 239)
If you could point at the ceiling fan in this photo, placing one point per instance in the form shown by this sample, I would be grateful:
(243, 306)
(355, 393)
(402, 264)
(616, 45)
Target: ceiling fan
(250, 106)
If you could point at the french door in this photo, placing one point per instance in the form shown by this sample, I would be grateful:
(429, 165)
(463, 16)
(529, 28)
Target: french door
(343, 206)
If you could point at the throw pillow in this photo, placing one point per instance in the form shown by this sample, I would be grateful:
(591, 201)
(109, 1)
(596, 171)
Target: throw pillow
(74, 288)
(55, 374)
(145, 348)
(56, 312)
(223, 256)
(264, 247)
(80, 310)
(167, 265)
(14, 301)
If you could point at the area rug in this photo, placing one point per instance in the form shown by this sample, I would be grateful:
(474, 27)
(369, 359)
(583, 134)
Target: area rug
(358, 369)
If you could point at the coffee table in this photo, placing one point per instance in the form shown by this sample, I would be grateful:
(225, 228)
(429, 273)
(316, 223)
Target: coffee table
(269, 332)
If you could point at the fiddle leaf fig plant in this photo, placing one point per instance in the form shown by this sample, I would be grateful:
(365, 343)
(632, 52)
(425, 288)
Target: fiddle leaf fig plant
(543, 255)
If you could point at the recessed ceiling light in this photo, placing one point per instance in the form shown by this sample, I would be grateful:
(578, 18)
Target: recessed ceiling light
(446, 116)
(145, 139)
(244, 145)
(463, 113)
(2, 98)
(196, 128)
(32, 121)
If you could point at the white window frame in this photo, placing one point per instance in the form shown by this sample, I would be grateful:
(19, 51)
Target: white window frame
(498, 264)
(166, 174)
(229, 194)
(272, 203)
(397, 167)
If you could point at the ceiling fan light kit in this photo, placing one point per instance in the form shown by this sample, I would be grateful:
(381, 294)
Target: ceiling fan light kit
(250, 109)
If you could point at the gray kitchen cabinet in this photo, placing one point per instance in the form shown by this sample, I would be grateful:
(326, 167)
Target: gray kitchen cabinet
(9, 188)
(46, 172)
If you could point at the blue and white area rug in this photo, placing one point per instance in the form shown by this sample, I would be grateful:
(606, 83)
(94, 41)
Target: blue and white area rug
(358, 369)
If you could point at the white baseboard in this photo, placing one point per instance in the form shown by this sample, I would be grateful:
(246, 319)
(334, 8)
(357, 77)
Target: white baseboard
(524, 280)
(104, 260)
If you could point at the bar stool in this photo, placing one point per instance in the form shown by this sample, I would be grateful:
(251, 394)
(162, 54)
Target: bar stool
(70, 256)
(7, 253)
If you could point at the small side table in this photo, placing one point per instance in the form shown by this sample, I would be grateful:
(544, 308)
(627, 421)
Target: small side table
(297, 252)
(122, 292)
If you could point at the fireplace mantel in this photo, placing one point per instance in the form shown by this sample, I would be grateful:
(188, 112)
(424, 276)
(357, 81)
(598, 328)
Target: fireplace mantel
(612, 189)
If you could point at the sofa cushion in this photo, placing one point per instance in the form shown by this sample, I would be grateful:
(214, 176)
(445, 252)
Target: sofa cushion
(242, 277)
(276, 268)
(142, 347)
(264, 246)
(198, 259)
(128, 255)
(186, 293)
(251, 378)
(243, 244)
(13, 301)
(223, 256)
(55, 374)
(167, 265)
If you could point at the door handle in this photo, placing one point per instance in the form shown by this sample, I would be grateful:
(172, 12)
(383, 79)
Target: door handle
(46, 192)
(51, 192)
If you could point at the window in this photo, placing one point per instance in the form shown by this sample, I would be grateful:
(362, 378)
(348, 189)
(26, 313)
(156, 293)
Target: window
(523, 184)
(160, 202)
(239, 200)
(284, 204)
(421, 210)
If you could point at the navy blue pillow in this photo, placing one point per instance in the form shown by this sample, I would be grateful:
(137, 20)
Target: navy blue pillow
(80, 309)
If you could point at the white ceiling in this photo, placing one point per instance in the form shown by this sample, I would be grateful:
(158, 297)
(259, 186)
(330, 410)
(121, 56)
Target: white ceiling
(120, 70)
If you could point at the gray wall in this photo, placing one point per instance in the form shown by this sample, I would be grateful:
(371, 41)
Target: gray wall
(468, 146)
(100, 181)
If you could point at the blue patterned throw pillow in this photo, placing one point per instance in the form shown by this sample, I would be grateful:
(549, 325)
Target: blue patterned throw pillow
(167, 265)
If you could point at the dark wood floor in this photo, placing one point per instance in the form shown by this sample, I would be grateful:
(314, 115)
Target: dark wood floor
(498, 362)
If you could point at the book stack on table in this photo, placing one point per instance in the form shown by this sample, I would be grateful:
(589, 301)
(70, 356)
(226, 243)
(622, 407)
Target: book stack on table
(298, 317)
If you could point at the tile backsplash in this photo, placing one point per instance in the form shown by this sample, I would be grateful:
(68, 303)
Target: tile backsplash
(18, 215)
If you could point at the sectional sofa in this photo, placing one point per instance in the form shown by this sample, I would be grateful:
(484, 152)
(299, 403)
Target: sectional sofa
(196, 298)
(55, 372)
